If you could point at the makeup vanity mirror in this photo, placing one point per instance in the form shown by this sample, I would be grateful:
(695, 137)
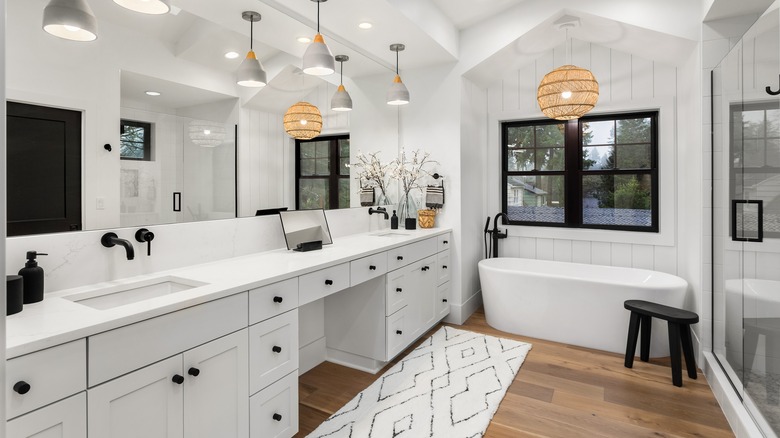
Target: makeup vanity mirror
(213, 149)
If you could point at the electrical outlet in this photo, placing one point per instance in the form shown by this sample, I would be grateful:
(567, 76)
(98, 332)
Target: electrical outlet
(100, 203)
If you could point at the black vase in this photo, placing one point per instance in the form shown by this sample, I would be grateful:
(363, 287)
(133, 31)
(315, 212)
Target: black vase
(410, 223)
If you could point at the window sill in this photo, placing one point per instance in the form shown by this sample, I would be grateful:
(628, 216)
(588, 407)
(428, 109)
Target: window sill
(586, 234)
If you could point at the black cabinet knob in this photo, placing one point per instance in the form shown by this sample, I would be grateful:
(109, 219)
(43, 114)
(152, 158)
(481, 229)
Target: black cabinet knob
(22, 387)
(277, 417)
(399, 332)
(372, 268)
(400, 258)
(328, 282)
(444, 266)
(398, 289)
(194, 372)
(425, 268)
(277, 349)
(177, 379)
(445, 242)
(278, 299)
(444, 300)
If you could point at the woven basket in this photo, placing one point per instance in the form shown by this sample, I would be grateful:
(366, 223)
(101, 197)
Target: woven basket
(426, 218)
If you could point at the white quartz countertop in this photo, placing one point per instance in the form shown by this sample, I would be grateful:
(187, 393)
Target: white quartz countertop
(57, 320)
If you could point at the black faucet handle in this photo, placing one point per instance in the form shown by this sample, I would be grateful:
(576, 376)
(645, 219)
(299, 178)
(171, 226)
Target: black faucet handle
(144, 235)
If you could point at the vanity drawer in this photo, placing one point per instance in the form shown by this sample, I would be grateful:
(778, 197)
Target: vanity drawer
(273, 412)
(443, 266)
(403, 255)
(397, 336)
(273, 350)
(128, 348)
(319, 284)
(397, 291)
(443, 300)
(444, 241)
(274, 299)
(45, 377)
(366, 268)
(67, 417)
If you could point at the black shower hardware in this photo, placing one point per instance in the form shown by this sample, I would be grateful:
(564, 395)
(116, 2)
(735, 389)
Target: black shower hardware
(379, 210)
(145, 236)
(110, 240)
(495, 234)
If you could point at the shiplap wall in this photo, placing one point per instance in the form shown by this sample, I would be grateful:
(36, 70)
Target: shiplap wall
(623, 78)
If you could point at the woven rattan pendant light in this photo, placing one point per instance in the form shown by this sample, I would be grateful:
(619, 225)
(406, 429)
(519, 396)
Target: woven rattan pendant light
(303, 121)
(568, 92)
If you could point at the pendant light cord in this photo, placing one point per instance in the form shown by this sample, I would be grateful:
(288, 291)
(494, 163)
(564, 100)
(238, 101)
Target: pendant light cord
(342, 73)
(396, 62)
(318, 17)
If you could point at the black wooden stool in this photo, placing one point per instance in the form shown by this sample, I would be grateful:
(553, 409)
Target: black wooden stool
(679, 321)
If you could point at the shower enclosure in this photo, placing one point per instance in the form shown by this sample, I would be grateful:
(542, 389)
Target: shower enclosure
(746, 219)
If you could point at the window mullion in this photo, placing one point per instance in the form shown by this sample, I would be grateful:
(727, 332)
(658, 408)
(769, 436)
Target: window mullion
(572, 147)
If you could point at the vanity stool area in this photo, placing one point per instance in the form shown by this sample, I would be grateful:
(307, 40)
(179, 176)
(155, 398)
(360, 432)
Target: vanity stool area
(221, 358)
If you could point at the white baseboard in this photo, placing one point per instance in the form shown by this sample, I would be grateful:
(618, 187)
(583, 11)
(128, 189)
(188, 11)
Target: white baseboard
(354, 361)
(459, 313)
(311, 355)
(739, 419)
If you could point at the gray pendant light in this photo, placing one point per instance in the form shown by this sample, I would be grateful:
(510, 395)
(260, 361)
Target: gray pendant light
(318, 59)
(398, 94)
(251, 72)
(154, 7)
(341, 101)
(70, 19)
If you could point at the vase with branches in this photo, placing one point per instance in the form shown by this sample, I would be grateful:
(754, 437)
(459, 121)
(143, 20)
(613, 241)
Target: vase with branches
(373, 173)
(410, 170)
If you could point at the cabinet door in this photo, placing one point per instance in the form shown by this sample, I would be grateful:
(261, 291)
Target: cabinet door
(145, 403)
(216, 395)
(443, 300)
(64, 419)
(426, 296)
(275, 409)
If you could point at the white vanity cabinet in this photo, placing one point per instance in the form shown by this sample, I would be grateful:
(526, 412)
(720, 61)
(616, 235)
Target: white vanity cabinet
(63, 419)
(200, 393)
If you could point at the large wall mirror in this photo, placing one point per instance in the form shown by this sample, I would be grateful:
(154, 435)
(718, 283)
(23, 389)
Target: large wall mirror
(203, 148)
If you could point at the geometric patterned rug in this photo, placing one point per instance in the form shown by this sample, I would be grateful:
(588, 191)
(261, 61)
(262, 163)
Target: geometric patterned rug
(448, 387)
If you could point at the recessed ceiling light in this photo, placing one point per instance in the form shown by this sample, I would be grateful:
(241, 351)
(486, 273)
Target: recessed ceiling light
(153, 93)
(304, 40)
(231, 55)
(365, 25)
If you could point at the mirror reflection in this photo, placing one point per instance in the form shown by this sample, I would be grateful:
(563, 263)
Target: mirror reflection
(198, 147)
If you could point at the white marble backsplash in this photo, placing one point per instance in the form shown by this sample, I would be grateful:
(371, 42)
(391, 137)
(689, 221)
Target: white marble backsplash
(78, 259)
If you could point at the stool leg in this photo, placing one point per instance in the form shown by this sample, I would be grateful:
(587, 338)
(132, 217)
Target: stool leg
(633, 333)
(647, 323)
(674, 352)
(687, 346)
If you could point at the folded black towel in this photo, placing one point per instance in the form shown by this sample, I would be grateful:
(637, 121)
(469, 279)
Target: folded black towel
(434, 196)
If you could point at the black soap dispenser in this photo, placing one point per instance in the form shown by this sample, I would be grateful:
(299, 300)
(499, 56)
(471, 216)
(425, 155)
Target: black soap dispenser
(393, 221)
(33, 278)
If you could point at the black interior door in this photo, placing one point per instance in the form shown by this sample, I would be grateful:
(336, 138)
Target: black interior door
(44, 169)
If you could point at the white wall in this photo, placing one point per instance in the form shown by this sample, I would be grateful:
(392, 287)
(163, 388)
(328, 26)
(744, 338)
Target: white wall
(2, 216)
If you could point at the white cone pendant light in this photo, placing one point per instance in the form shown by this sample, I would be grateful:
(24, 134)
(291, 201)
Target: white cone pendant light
(251, 72)
(318, 59)
(154, 7)
(341, 101)
(398, 94)
(70, 19)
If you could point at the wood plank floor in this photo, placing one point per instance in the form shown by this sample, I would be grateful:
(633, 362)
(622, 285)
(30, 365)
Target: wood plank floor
(560, 391)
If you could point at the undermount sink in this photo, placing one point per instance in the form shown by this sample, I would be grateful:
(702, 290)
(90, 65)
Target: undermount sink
(129, 293)
(389, 234)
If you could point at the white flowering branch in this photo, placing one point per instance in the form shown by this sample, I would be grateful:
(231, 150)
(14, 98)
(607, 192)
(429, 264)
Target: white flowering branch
(372, 172)
(410, 171)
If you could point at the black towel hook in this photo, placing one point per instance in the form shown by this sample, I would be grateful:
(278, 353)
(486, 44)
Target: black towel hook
(770, 92)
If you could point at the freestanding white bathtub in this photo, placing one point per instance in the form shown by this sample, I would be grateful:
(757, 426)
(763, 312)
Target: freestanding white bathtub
(574, 303)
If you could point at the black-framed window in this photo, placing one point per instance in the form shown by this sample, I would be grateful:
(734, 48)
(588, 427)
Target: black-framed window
(135, 140)
(754, 160)
(594, 172)
(322, 172)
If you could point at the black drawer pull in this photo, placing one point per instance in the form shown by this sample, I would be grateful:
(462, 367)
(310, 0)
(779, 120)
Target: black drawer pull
(398, 289)
(372, 268)
(277, 349)
(177, 379)
(445, 242)
(22, 387)
(425, 268)
(277, 417)
(328, 282)
(278, 299)
(444, 300)
(399, 332)
(399, 258)
(194, 372)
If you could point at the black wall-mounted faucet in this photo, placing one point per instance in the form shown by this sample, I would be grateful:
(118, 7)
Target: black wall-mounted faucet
(111, 239)
(145, 236)
(380, 210)
(495, 233)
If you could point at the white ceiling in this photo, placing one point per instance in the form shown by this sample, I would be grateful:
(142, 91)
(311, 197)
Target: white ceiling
(466, 13)
(732, 8)
(173, 96)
